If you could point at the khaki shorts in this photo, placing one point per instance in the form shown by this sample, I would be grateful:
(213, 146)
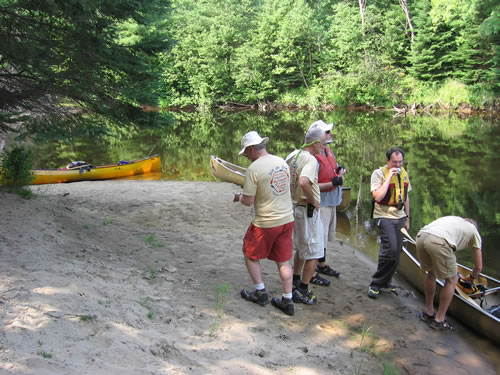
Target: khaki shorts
(435, 254)
(329, 218)
(308, 234)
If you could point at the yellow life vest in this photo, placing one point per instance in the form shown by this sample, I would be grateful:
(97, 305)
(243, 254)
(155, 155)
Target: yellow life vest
(398, 188)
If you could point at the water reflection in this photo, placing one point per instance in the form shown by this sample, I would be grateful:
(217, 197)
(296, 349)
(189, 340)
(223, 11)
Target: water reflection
(452, 162)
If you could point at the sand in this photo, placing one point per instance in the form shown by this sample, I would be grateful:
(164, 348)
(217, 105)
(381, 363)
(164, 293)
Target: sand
(144, 277)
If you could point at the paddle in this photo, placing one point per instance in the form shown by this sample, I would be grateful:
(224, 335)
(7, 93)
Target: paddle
(407, 235)
(484, 293)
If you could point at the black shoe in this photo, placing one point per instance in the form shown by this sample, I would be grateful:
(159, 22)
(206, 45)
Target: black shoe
(318, 280)
(258, 297)
(284, 304)
(327, 270)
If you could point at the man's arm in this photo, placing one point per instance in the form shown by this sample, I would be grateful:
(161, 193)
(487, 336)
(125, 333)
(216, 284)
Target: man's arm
(306, 186)
(246, 200)
(477, 257)
(407, 210)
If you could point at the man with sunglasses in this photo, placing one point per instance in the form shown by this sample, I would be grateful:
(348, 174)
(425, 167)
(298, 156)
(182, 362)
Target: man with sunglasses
(390, 186)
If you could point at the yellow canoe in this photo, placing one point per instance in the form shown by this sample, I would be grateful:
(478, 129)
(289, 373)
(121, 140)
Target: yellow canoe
(229, 172)
(100, 172)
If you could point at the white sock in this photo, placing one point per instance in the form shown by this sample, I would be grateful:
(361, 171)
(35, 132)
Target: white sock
(287, 295)
(260, 286)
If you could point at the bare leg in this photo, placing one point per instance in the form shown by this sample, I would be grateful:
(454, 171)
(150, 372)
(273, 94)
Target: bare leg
(298, 264)
(430, 291)
(445, 297)
(285, 270)
(309, 270)
(253, 267)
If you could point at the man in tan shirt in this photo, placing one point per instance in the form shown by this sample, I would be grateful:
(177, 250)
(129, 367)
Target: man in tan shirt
(267, 189)
(437, 244)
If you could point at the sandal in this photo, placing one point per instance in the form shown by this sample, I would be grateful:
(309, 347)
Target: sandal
(327, 270)
(424, 317)
(318, 280)
(442, 326)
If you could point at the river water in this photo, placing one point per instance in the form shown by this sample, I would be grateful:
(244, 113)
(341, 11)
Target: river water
(453, 162)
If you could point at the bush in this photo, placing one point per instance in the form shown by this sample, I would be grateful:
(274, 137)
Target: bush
(17, 165)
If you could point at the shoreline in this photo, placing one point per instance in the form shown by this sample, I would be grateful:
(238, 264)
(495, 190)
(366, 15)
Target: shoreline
(143, 277)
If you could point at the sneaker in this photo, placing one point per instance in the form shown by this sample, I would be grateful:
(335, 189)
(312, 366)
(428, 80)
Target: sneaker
(284, 304)
(391, 288)
(327, 270)
(373, 292)
(305, 297)
(259, 297)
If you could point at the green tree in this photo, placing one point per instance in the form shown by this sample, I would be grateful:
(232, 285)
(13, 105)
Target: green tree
(198, 68)
(64, 61)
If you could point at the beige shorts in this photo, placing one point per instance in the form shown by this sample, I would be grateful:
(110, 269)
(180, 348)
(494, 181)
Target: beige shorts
(329, 220)
(308, 234)
(435, 254)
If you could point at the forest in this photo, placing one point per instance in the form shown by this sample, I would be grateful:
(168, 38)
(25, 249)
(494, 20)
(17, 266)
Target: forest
(78, 66)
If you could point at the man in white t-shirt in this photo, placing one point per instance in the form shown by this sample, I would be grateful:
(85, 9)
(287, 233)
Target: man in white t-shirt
(437, 243)
(267, 188)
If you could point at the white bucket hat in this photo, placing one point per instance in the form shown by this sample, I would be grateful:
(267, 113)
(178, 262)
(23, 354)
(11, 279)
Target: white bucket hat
(322, 125)
(251, 139)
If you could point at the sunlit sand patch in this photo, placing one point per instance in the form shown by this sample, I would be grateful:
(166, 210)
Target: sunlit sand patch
(50, 290)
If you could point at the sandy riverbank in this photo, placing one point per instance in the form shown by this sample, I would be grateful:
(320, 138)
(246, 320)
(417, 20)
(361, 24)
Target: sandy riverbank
(119, 277)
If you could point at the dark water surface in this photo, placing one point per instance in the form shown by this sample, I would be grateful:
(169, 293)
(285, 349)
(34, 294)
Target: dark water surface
(453, 162)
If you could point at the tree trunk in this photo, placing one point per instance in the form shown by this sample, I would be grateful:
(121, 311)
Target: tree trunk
(404, 6)
(362, 9)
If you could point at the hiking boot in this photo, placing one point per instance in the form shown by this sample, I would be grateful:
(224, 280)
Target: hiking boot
(304, 296)
(327, 270)
(296, 284)
(284, 304)
(373, 292)
(258, 296)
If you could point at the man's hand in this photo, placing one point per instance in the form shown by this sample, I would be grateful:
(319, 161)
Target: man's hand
(407, 224)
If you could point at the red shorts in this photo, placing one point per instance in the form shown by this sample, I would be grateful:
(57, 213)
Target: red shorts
(271, 243)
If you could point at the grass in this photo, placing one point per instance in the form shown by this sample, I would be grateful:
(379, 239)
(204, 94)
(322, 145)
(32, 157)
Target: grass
(87, 318)
(150, 274)
(107, 221)
(145, 302)
(16, 165)
(220, 293)
(45, 354)
(153, 241)
(368, 343)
